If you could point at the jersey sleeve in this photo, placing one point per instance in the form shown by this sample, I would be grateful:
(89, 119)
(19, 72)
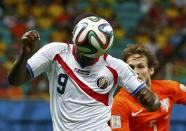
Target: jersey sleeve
(42, 59)
(178, 92)
(128, 78)
(120, 115)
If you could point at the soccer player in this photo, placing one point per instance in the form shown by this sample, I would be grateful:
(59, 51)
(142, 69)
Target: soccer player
(127, 113)
(81, 88)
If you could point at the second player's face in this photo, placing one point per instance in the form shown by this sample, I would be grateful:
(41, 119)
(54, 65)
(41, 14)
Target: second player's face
(139, 64)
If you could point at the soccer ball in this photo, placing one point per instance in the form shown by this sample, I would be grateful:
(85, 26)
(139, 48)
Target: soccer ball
(93, 36)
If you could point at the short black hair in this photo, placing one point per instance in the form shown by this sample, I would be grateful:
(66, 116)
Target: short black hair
(81, 16)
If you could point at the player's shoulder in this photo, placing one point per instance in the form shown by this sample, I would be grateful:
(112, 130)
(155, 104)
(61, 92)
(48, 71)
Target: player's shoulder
(114, 61)
(58, 45)
(55, 47)
(109, 57)
(164, 86)
(123, 95)
(124, 100)
(165, 82)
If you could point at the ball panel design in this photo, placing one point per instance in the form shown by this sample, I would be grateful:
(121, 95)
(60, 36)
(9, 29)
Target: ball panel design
(93, 36)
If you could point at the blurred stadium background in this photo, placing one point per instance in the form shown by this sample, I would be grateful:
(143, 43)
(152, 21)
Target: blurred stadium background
(158, 24)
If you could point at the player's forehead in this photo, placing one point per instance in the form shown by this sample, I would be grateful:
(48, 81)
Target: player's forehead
(137, 59)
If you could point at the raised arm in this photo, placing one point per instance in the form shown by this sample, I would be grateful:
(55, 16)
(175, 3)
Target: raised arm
(135, 86)
(19, 72)
(148, 99)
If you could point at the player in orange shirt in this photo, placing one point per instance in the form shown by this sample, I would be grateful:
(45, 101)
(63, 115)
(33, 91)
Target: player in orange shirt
(128, 114)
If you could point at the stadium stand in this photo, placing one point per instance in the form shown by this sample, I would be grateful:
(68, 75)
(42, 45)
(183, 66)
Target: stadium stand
(156, 24)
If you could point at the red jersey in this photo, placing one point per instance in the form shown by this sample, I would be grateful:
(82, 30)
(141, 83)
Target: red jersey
(129, 115)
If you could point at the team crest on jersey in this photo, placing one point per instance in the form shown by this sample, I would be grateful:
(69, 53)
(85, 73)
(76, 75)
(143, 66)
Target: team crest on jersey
(102, 82)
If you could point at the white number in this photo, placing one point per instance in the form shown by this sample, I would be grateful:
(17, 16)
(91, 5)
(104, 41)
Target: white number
(153, 125)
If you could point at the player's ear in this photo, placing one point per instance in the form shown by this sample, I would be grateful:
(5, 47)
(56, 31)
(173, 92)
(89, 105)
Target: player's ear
(151, 71)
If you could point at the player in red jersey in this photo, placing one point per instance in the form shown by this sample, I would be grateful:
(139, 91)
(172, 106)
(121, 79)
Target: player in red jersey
(127, 114)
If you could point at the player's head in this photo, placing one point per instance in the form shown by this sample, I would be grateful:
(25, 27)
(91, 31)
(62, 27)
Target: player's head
(92, 35)
(83, 60)
(142, 60)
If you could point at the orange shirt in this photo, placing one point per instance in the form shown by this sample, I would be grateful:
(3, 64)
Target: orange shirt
(129, 115)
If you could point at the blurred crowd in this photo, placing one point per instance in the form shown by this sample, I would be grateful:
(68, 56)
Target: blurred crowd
(156, 24)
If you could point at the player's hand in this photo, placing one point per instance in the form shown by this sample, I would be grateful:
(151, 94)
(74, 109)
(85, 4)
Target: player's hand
(148, 99)
(29, 41)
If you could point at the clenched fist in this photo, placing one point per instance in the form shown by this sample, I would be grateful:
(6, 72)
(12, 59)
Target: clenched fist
(29, 40)
(148, 99)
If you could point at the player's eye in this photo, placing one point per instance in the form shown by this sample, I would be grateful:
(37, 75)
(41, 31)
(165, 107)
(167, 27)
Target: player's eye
(141, 66)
